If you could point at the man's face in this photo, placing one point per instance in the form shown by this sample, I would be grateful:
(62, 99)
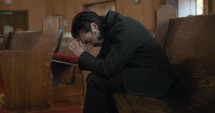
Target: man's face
(92, 37)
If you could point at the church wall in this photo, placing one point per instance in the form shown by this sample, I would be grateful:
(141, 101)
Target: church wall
(39, 9)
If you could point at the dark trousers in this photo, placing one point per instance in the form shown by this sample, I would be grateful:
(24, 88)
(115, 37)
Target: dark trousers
(99, 93)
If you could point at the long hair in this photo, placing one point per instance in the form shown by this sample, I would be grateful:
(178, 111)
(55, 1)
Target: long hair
(82, 20)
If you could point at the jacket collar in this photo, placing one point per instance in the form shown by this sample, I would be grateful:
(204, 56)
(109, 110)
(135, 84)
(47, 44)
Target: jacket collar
(110, 18)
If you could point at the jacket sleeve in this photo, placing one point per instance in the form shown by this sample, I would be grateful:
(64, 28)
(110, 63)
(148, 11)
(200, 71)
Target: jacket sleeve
(123, 45)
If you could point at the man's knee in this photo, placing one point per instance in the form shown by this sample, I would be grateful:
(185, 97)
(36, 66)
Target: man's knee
(95, 81)
(92, 79)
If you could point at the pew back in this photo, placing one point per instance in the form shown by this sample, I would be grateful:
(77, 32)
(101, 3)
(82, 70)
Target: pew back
(191, 50)
(26, 71)
(23, 40)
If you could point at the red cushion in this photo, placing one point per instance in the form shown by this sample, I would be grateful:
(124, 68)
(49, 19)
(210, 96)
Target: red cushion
(65, 57)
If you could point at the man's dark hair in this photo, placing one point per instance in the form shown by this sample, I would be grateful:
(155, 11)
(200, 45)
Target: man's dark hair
(82, 20)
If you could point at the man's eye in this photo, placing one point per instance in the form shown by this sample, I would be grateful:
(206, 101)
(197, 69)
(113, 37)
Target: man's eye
(88, 41)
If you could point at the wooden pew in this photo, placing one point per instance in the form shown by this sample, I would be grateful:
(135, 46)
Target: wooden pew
(65, 57)
(189, 45)
(4, 42)
(66, 75)
(25, 68)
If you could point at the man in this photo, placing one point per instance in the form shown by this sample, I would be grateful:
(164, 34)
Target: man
(129, 60)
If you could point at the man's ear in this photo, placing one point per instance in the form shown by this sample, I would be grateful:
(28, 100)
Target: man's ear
(94, 26)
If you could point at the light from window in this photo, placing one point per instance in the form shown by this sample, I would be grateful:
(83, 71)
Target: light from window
(199, 7)
(190, 7)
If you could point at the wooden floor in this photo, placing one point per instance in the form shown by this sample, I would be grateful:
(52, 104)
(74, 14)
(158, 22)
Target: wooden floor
(67, 92)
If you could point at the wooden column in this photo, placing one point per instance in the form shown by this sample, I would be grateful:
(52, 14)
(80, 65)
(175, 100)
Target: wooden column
(163, 14)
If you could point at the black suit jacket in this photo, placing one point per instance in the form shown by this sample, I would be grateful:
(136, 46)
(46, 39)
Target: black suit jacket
(130, 50)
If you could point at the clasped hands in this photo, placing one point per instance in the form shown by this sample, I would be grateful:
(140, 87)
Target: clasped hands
(78, 47)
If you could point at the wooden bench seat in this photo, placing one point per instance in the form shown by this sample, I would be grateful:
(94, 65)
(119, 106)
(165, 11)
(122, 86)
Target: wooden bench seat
(137, 104)
(189, 45)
